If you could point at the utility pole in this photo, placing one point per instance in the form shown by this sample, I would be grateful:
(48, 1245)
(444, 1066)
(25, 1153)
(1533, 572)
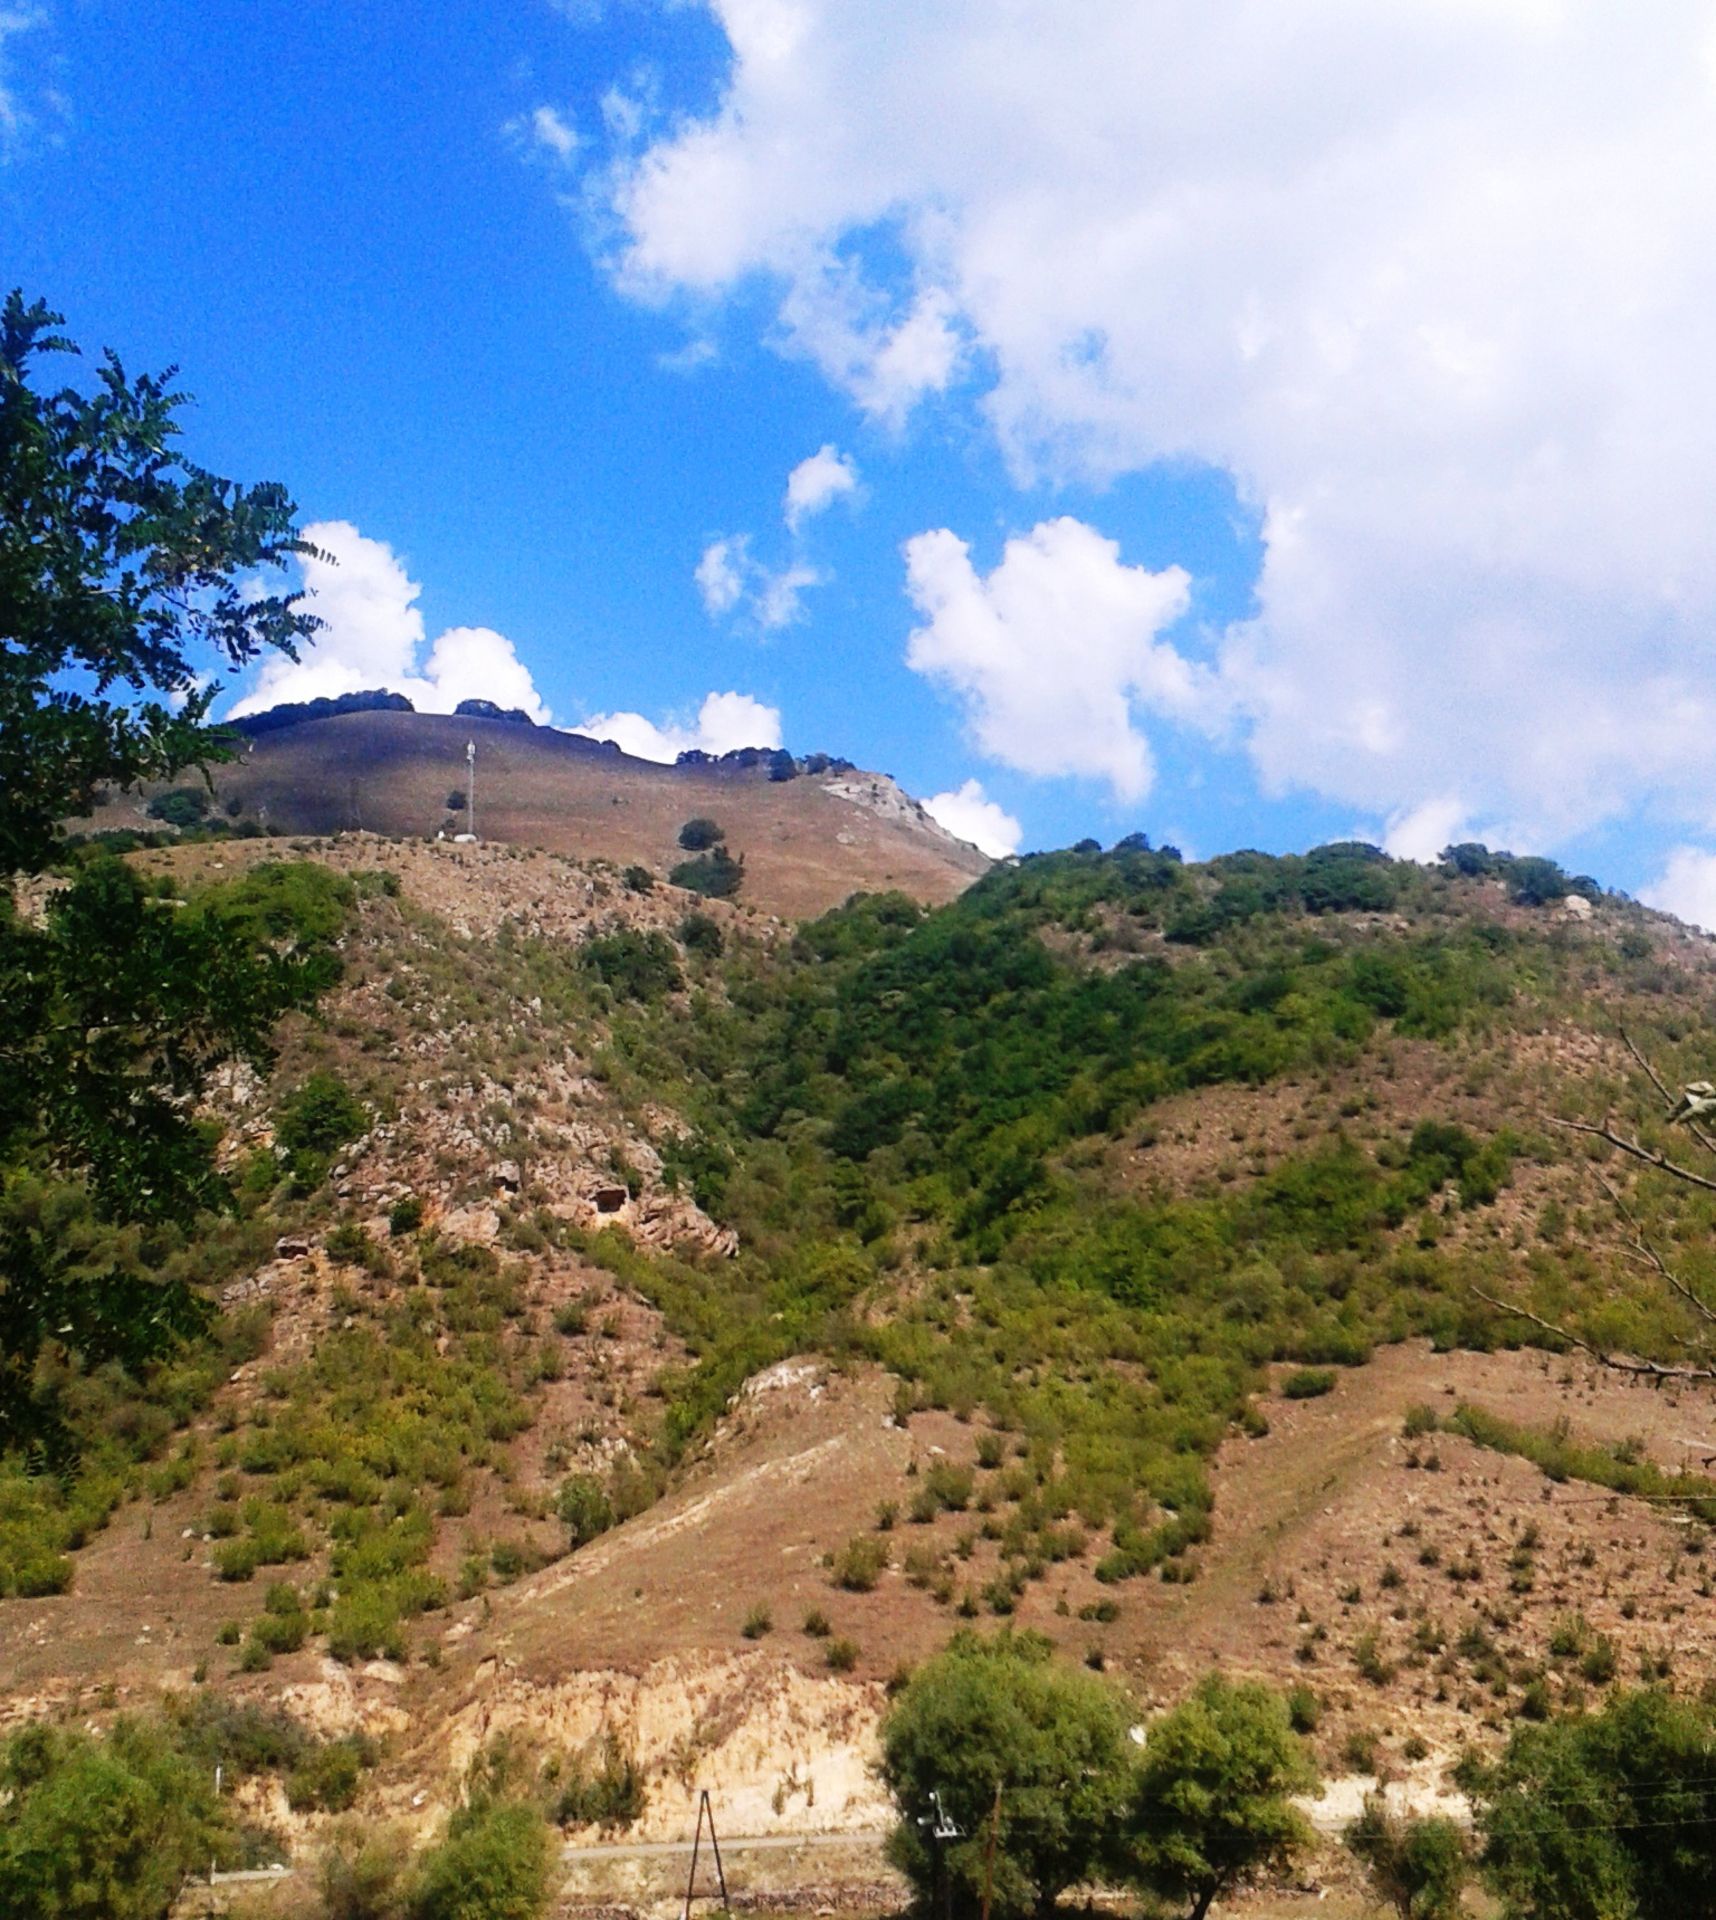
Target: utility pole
(471, 807)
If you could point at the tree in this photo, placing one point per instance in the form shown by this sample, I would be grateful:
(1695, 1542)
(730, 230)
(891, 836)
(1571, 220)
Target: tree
(1603, 1814)
(716, 874)
(122, 565)
(700, 833)
(1415, 1865)
(100, 1829)
(1019, 1748)
(125, 569)
(492, 1865)
(1212, 1806)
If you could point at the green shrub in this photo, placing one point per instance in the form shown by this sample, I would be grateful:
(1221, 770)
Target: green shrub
(492, 1864)
(327, 1779)
(609, 1793)
(405, 1216)
(634, 966)
(101, 1829)
(180, 806)
(700, 934)
(717, 875)
(1308, 1383)
(860, 1563)
(699, 834)
(841, 1656)
(584, 1505)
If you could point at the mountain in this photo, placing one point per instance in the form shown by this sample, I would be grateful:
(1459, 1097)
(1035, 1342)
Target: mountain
(807, 841)
(645, 1326)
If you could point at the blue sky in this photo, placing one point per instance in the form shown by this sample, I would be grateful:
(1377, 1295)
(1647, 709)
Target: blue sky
(1227, 462)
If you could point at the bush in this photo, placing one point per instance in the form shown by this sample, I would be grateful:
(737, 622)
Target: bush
(698, 933)
(181, 806)
(362, 1873)
(1308, 1383)
(314, 1121)
(635, 966)
(716, 875)
(327, 1780)
(583, 1504)
(860, 1563)
(1604, 1813)
(610, 1794)
(492, 1864)
(405, 1215)
(700, 834)
(1001, 1713)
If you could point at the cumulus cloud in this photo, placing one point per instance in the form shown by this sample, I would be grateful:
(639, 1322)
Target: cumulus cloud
(724, 721)
(1686, 887)
(1055, 655)
(816, 483)
(1430, 281)
(969, 814)
(373, 636)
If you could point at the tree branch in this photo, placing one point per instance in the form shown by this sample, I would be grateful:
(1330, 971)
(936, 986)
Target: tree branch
(1648, 1369)
(1638, 1150)
(1698, 1133)
(1642, 1246)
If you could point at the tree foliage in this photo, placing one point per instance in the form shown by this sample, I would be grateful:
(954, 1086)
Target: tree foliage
(1604, 1814)
(100, 1829)
(1415, 1864)
(126, 570)
(1000, 1714)
(123, 566)
(491, 1864)
(1212, 1806)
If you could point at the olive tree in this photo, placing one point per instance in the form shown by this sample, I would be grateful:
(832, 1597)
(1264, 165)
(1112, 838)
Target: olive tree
(1415, 1864)
(1212, 1805)
(1029, 1760)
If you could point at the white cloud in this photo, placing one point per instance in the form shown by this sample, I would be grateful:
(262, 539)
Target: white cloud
(970, 815)
(1686, 887)
(546, 132)
(1420, 833)
(1431, 281)
(816, 483)
(728, 579)
(1055, 655)
(21, 118)
(373, 637)
(724, 721)
(720, 575)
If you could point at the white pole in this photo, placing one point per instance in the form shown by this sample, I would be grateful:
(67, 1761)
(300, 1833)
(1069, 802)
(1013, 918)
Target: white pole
(471, 808)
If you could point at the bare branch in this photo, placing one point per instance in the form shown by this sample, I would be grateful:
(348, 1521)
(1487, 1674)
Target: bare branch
(1656, 1080)
(1645, 1251)
(1638, 1150)
(1648, 1369)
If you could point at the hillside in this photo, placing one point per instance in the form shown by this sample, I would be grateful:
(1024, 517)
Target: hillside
(646, 1325)
(807, 842)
